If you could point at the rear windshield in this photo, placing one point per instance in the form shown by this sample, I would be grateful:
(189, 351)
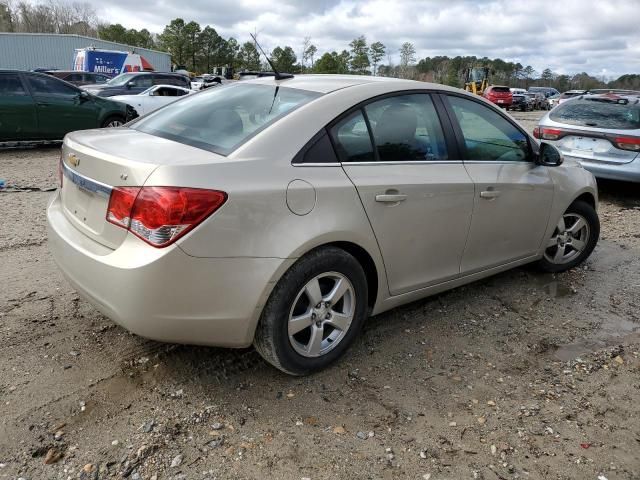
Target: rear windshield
(221, 119)
(594, 113)
(501, 89)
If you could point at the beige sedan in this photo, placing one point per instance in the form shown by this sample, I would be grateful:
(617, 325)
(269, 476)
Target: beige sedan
(282, 213)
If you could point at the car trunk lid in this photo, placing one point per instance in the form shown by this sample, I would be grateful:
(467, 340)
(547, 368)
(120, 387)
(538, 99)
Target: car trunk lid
(95, 161)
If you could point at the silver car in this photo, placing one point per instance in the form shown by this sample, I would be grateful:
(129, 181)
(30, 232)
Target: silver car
(282, 213)
(602, 132)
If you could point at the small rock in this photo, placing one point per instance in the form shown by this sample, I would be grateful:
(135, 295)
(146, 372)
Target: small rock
(491, 403)
(217, 426)
(619, 360)
(115, 443)
(339, 430)
(482, 420)
(494, 449)
(177, 461)
(218, 442)
(148, 426)
(135, 476)
(453, 424)
(361, 435)
(58, 435)
(53, 455)
(423, 454)
(426, 476)
(73, 353)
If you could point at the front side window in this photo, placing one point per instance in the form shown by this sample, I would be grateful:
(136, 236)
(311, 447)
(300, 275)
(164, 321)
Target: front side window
(121, 79)
(221, 119)
(11, 86)
(487, 134)
(351, 139)
(42, 85)
(142, 81)
(406, 128)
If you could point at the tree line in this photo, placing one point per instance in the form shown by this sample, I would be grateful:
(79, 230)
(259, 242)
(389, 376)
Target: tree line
(199, 49)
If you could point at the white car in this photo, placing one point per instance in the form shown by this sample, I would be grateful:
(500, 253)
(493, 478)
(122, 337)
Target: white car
(153, 98)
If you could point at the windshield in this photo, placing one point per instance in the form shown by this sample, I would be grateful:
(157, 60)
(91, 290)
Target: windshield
(598, 113)
(121, 79)
(222, 119)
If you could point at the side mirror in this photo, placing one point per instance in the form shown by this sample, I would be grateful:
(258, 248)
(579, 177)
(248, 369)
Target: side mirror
(549, 156)
(131, 84)
(84, 96)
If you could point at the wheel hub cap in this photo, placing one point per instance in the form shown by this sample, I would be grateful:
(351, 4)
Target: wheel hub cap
(321, 314)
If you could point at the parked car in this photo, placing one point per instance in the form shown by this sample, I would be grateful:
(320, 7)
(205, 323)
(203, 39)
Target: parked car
(602, 132)
(552, 101)
(153, 98)
(569, 94)
(520, 102)
(133, 83)
(617, 91)
(35, 106)
(203, 82)
(79, 78)
(500, 95)
(547, 91)
(284, 213)
(537, 99)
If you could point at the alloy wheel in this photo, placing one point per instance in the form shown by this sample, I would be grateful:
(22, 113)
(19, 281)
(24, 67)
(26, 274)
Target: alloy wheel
(115, 123)
(321, 314)
(569, 239)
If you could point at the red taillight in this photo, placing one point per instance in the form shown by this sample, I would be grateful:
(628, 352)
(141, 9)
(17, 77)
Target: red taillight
(547, 133)
(628, 143)
(161, 215)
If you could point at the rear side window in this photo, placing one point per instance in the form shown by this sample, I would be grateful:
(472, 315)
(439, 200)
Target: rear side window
(11, 86)
(351, 138)
(406, 128)
(600, 114)
(221, 119)
(42, 85)
(487, 134)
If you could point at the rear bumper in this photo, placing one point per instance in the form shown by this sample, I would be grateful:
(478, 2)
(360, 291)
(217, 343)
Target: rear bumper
(627, 172)
(165, 294)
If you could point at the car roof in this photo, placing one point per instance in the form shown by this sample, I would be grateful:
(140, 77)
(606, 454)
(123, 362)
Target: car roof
(326, 83)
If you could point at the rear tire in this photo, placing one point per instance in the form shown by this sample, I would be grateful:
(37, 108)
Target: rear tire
(314, 313)
(573, 239)
(113, 121)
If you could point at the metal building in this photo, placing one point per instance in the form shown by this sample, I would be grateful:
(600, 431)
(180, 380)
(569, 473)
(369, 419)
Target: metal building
(26, 51)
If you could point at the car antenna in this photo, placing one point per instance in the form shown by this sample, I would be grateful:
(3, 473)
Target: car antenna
(278, 75)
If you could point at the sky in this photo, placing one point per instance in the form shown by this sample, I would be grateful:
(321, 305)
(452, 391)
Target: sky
(600, 37)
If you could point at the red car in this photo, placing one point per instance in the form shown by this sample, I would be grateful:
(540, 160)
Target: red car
(499, 95)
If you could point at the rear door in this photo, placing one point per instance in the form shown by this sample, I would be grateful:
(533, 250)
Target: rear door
(513, 195)
(18, 119)
(60, 107)
(417, 199)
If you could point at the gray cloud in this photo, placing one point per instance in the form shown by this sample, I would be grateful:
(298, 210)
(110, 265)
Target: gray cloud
(568, 36)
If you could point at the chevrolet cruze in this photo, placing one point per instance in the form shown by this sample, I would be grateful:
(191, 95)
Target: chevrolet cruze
(283, 212)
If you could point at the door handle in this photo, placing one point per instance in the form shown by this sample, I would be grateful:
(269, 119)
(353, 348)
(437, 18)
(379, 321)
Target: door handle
(490, 194)
(391, 198)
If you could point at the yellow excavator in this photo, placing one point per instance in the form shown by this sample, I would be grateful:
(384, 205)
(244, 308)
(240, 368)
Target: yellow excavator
(476, 79)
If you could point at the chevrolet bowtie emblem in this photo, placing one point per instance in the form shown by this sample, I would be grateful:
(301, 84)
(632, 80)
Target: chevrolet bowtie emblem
(73, 160)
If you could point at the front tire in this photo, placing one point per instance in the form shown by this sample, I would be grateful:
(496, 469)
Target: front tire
(573, 239)
(314, 313)
(113, 121)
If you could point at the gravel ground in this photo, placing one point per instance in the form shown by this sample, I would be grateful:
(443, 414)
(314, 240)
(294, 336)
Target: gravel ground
(522, 375)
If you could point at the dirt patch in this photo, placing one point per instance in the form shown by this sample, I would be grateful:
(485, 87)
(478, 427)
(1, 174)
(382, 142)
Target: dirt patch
(521, 375)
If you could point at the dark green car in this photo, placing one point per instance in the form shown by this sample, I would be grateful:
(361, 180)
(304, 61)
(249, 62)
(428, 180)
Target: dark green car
(34, 106)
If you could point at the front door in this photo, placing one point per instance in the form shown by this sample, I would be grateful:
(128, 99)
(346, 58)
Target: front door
(18, 119)
(61, 109)
(419, 203)
(513, 195)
